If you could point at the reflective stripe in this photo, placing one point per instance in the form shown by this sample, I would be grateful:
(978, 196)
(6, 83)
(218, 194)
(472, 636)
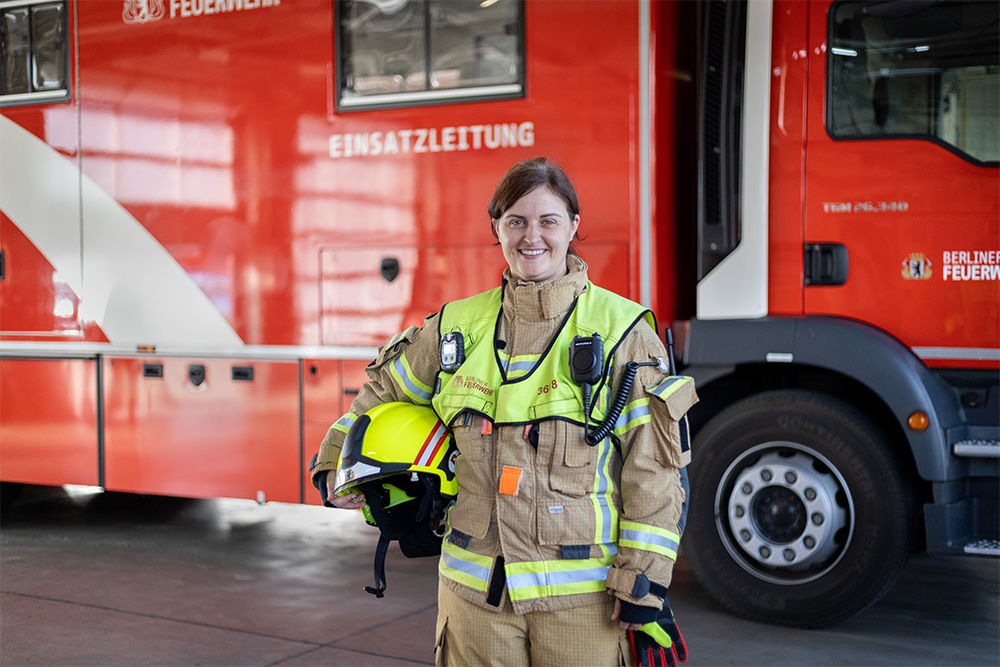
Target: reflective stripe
(416, 390)
(395, 339)
(635, 413)
(345, 423)
(606, 516)
(521, 365)
(465, 567)
(504, 359)
(518, 366)
(648, 538)
(669, 386)
(526, 581)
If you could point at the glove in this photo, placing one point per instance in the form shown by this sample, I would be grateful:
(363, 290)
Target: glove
(659, 644)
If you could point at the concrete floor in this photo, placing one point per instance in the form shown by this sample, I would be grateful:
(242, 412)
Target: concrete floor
(111, 579)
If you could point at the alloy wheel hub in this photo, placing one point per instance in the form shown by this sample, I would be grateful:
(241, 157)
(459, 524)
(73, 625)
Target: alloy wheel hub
(784, 513)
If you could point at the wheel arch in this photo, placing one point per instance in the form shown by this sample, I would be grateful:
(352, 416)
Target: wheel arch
(860, 365)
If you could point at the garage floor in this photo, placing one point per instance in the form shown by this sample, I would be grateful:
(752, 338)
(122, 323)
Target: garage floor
(113, 579)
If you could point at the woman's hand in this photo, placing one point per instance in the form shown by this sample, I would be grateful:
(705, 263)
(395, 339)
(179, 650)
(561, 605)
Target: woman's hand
(349, 501)
(622, 625)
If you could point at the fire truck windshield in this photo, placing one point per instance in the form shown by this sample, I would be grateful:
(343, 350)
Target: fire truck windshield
(917, 70)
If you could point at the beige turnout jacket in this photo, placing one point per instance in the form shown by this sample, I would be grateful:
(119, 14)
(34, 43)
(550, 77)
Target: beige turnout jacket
(552, 508)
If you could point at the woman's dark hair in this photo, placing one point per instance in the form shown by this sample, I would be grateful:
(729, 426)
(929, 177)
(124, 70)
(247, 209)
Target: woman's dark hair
(524, 177)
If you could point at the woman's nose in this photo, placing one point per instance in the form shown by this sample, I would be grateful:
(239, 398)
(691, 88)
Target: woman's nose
(533, 232)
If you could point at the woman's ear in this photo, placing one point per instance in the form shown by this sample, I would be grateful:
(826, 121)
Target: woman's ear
(576, 229)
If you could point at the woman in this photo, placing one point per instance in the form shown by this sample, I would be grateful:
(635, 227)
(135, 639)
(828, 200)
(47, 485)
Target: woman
(555, 546)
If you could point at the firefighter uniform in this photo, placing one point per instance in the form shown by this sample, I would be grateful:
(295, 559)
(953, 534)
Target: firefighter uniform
(543, 522)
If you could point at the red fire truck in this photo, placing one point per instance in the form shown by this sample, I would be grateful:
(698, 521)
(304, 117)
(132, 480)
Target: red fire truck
(214, 211)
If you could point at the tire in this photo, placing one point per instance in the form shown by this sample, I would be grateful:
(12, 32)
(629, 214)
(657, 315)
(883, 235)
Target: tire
(799, 514)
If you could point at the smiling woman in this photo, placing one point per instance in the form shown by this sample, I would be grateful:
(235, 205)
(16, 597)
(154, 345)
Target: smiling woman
(535, 234)
(535, 215)
(554, 511)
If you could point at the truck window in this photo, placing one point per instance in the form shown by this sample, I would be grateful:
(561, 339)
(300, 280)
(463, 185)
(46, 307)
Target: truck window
(411, 52)
(918, 70)
(33, 52)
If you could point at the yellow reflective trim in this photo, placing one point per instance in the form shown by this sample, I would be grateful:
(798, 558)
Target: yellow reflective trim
(344, 423)
(418, 392)
(531, 592)
(529, 580)
(521, 365)
(646, 528)
(643, 546)
(648, 538)
(465, 567)
(669, 385)
(568, 565)
(634, 414)
(398, 337)
(605, 513)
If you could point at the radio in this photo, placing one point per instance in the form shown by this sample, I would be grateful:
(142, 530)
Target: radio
(586, 359)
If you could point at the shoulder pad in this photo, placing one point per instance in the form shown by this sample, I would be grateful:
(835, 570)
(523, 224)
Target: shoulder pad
(395, 346)
(677, 393)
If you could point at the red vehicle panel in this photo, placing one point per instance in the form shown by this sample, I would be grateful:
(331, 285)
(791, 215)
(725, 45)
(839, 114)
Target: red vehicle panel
(48, 421)
(224, 437)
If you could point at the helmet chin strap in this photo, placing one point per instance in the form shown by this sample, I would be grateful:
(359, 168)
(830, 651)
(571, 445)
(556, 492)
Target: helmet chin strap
(378, 590)
(430, 510)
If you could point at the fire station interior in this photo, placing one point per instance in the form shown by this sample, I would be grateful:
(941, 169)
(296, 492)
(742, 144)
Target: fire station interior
(153, 543)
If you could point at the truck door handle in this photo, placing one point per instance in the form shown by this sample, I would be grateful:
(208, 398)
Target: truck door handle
(825, 264)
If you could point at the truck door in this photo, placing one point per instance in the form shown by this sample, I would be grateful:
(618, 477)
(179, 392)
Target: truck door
(902, 184)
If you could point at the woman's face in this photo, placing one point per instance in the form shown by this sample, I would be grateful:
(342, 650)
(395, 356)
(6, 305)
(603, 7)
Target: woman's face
(535, 233)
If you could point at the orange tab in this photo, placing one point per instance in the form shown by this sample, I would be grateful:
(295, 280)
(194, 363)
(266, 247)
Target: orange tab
(510, 480)
(487, 427)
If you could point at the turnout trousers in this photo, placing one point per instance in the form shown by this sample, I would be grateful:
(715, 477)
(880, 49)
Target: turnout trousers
(469, 635)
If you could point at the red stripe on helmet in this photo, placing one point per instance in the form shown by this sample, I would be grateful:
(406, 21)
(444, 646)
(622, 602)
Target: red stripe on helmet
(431, 445)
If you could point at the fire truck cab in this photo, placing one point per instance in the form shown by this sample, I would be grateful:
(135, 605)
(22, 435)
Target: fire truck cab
(845, 345)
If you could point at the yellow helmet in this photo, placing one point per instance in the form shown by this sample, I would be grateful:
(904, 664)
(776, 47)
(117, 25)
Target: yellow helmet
(394, 439)
(402, 458)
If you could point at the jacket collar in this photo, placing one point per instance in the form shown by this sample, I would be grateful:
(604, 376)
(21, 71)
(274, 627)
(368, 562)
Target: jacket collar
(548, 300)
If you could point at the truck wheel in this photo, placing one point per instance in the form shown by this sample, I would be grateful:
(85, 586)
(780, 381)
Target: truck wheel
(799, 515)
